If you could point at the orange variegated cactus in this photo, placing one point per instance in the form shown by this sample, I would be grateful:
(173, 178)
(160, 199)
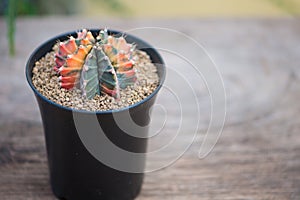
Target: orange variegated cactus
(103, 64)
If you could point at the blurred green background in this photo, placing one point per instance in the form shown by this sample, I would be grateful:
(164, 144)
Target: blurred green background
(145, 9)
(195, 8)
(158, 8)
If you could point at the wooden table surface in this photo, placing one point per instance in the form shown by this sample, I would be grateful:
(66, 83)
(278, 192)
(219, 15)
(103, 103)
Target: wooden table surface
(258, 153)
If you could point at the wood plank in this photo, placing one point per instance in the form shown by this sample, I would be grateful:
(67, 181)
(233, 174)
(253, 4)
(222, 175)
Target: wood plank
(258, 154)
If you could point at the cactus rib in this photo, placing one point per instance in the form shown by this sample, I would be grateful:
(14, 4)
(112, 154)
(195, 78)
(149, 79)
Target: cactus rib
(101, 65)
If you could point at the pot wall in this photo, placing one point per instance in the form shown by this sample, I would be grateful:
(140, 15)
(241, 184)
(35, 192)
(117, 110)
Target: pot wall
(75, 174)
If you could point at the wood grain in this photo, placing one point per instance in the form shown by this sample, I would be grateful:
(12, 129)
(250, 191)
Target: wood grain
(258, 153)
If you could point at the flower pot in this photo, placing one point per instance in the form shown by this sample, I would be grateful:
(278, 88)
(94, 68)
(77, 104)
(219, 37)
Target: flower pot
(75, 172)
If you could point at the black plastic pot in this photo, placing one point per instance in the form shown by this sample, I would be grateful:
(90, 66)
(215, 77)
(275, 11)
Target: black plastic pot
(75, 173)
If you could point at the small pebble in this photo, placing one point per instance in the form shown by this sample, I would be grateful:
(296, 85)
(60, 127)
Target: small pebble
(45, 80)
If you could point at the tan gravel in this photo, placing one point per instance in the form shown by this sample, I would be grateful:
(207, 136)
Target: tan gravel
(45, 80)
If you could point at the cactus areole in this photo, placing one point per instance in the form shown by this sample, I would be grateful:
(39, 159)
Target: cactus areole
(101, 64)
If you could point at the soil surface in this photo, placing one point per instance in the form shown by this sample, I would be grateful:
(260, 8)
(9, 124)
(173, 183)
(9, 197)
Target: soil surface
(46, 81)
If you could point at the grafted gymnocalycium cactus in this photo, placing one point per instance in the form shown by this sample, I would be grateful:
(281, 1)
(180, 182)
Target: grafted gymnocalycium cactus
(102, 64)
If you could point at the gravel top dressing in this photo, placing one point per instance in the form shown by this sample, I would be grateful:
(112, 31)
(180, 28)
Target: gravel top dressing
(45, 80)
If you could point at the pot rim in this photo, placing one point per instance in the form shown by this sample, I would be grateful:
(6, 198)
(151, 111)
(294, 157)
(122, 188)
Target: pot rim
(55, 38)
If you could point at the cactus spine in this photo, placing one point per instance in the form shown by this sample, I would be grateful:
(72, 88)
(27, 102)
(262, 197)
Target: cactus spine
(101, 65)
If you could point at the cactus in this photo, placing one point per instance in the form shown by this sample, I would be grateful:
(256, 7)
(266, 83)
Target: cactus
(120, 54)
(101, 65)
(107, 75)
(89, 74)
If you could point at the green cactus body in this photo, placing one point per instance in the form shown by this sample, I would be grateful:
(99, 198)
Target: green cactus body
(102, 37)
(120, 54)
(108, 80)
(126, 78)
(89, 76)
(101, 65)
